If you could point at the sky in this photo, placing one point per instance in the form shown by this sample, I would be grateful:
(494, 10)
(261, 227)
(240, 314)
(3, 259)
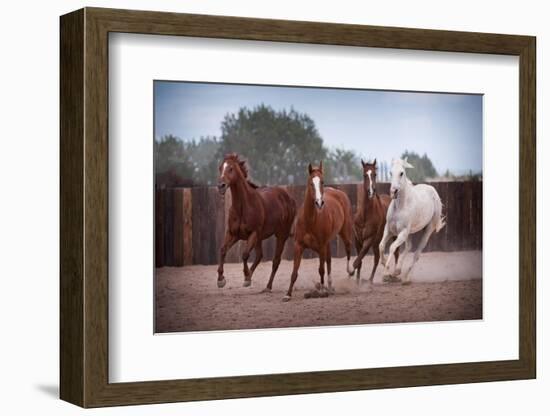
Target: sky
(381, 124)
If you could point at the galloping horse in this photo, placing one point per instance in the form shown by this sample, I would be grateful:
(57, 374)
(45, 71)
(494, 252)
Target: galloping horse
(370, 221)
(326, 213)
(413, 208)
(255, 214)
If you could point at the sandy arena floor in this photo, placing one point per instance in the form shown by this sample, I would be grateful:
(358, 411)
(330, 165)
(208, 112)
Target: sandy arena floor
(445, 286)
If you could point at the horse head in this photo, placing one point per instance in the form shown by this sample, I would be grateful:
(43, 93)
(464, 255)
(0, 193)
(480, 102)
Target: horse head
(232, 169)
(398, 176)
(315, 184)
(369, 178)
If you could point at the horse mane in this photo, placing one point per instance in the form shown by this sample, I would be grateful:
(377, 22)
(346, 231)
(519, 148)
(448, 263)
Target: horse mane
(243, 164)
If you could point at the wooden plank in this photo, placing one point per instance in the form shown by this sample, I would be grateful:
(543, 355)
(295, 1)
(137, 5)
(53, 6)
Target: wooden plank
(460, 215)
(477, 214)
(196, 221)
(468, 237)
(206, 234)
(159, 228)
(187, 227)
(452, 217)
(72, 341)
(178, 227)
(169, 227)
(383, 188)
(215, 210)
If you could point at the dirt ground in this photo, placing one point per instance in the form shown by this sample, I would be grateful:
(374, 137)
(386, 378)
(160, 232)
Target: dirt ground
(445, 286)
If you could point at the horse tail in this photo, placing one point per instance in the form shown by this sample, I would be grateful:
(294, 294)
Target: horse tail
(440, 218)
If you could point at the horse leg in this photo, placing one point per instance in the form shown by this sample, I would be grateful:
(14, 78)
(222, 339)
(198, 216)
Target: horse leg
(358, 246)
(258, 257)
(382, 245)
(400, 259)
(401, 238)
(298, 251)
(329, 269)
(276, 261)
(250, 243)
(376, 251)
(322, 259)
(423, 241)
(361, 254)
(345, 235)
(228, 242)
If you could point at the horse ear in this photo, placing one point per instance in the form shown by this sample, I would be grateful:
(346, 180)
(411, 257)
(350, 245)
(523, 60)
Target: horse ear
(321, 166)
(374, 163)
(362, 163)
(406, 164)
(244, 170)
(310, 168)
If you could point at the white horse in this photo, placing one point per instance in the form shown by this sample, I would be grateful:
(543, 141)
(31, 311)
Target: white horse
(413, 208)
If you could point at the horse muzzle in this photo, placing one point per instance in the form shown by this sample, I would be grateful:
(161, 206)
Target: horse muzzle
(319, 203)
(394, 192)
(222, 187)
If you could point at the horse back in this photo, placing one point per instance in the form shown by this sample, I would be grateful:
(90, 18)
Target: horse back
(340, 197)
(280, 209)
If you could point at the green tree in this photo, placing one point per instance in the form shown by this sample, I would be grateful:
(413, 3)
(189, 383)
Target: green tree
(170, 156)
(344, 166)
(188, 160)
(278, 144)
(423, 167)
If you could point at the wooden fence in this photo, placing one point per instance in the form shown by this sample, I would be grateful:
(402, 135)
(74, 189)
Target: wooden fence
(190, 222)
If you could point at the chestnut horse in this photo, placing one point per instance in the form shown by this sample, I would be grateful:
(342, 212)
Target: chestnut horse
(326, 213)
(370, 221)
(255, 214)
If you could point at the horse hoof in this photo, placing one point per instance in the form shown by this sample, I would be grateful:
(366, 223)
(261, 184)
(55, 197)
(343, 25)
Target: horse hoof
(247, 283)
(286, 298)
(314, 293)
(307, 295)
(221, 283)
(266, 290)
(397, 272)
(406, 282)
(351, 273)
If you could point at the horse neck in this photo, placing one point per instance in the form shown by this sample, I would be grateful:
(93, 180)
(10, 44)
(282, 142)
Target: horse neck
(310, 213)
(403, 194)
(240, 194)
(368, 203)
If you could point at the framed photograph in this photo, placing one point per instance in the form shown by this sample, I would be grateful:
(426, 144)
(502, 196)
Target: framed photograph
(256, 207)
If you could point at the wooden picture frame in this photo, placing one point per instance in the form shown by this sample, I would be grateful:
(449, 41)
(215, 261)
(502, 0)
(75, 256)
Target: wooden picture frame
(84, 207)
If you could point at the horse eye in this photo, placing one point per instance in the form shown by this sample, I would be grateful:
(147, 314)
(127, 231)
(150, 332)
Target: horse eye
(401, 174)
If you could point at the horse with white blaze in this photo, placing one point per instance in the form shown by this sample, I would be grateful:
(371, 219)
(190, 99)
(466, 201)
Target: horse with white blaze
(413, 208)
